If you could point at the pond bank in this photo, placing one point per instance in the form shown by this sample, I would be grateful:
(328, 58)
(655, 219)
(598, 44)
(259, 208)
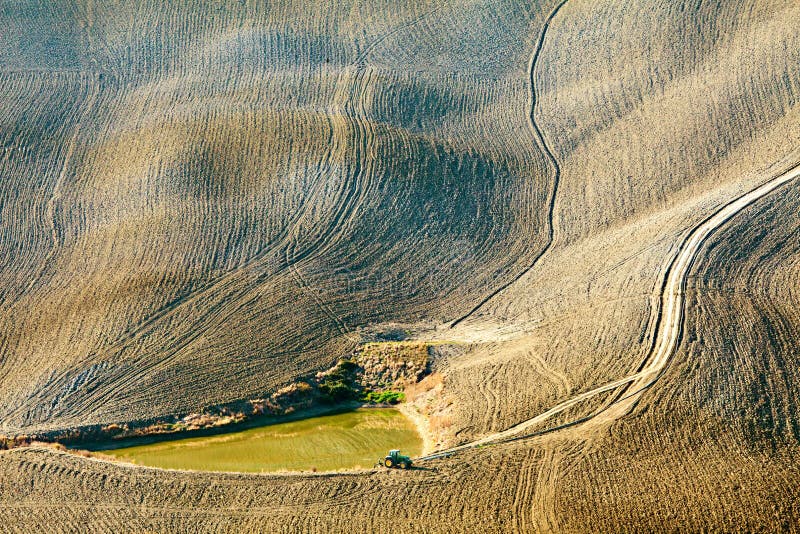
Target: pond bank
(375, 373)
(350, 440)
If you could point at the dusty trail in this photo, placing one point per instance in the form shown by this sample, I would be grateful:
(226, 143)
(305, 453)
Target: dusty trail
(668, 329)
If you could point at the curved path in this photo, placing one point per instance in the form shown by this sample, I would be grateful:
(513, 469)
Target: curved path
(551, 159)
(669, 327)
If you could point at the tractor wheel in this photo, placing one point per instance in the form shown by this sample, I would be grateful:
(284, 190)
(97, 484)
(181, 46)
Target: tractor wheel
(406, 465)
(388, 462)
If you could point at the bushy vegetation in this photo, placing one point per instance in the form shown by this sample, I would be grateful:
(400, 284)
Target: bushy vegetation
(337, 390)
(345, 382)
(340, 384)
(383, 397)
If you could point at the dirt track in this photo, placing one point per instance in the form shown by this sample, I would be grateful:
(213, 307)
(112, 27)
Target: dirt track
(541, 142)
(669, 321)
(200, 203)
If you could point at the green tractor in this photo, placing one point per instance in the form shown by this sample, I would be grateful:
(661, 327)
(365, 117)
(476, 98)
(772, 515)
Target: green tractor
(395, 459)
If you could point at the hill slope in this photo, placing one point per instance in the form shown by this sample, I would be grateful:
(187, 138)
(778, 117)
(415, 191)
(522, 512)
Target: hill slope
(201, 202)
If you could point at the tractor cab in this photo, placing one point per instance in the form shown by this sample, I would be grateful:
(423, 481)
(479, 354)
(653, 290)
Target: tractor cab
(395, 459)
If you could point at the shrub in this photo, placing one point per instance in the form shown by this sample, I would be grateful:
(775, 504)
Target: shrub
(337, 390)
(383, 397)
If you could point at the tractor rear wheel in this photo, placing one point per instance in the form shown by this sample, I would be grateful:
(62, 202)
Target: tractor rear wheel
(388, 462)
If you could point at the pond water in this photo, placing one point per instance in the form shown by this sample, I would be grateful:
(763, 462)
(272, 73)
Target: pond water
(326, 443)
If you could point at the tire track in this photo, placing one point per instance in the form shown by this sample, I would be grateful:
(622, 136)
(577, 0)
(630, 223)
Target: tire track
(231, 291)
(553, 162)
(354, 107)
(668, 328)
(361, 59)
(544, 493)
(525, 491)
(51, 210)
(557, 378)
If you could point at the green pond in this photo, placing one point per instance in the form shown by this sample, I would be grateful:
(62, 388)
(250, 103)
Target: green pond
(326, 443)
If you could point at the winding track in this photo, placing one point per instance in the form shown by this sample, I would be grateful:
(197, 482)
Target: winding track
(669, 328)
(669, 324)
(551, 159)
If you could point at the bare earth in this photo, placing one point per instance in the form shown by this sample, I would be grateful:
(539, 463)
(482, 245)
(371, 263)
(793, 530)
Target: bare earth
(591, 206)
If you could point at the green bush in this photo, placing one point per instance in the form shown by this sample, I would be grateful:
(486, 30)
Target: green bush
(383, 397)
(344, 371)
(337, 390)
(339, 384)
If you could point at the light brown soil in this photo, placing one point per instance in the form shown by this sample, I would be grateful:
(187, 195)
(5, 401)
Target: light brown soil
(202, 202)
